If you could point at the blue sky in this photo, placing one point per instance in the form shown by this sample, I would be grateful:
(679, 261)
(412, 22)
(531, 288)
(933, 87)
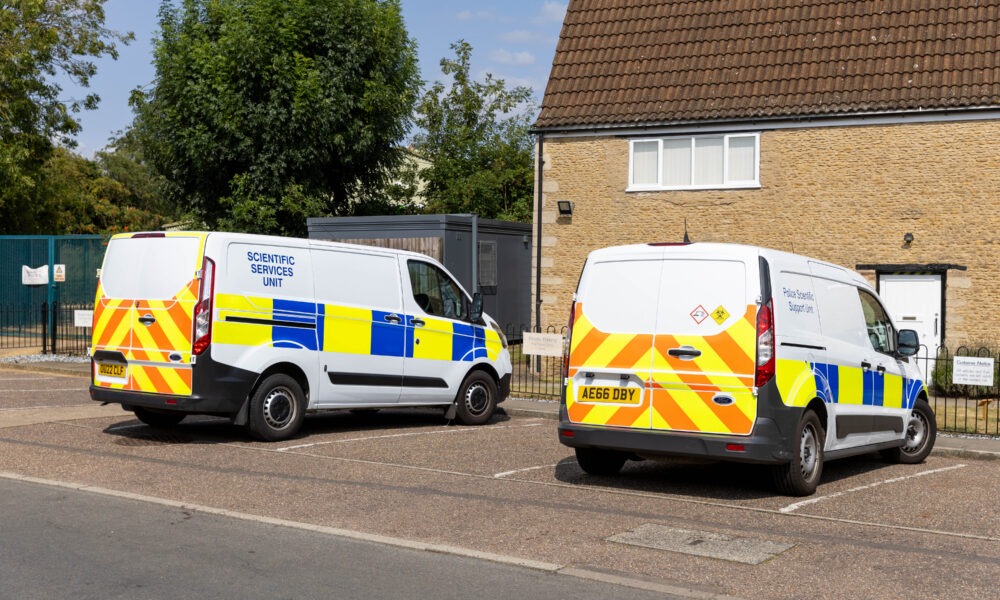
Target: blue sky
(512, 39)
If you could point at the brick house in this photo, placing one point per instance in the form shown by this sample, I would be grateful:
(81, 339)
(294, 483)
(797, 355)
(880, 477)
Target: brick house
(866, 133)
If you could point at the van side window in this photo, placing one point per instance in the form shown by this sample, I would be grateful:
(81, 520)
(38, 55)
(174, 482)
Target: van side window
(435, 293)
(880, 330)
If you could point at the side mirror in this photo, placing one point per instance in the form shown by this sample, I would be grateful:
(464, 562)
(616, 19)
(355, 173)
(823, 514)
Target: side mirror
(907, 343)
(477, 307)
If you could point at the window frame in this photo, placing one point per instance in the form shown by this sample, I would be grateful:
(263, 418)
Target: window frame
(726, 182)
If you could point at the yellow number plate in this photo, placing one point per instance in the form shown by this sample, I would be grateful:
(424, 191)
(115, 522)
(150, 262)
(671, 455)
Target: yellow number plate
(111, 369)
(610, 394)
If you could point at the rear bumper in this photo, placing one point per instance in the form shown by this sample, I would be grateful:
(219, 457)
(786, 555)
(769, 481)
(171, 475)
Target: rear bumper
(217, 389)
(765, 446)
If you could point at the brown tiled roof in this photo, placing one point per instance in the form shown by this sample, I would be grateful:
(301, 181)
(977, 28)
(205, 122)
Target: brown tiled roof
(647, 62)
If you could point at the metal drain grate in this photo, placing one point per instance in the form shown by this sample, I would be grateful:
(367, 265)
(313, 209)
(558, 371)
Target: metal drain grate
(701, 543)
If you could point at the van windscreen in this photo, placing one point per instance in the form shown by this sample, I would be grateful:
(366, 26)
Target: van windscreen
(150, 268)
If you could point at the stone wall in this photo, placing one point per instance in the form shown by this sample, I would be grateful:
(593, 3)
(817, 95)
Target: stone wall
(842, 194)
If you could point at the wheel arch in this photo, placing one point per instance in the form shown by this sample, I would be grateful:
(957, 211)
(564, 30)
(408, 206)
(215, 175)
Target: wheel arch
(819, 407)
(287, 368)
(486, 368)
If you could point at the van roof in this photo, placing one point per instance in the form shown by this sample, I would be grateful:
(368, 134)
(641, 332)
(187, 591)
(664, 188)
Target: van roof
(272, 239)
(709, 249)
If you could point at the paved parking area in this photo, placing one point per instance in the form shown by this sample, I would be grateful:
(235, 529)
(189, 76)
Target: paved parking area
(510, 489)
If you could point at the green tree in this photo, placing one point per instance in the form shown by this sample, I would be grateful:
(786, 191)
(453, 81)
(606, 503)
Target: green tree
(265, 112)
(124, 162)
(77, 195)
(40, 39)
(476, 136)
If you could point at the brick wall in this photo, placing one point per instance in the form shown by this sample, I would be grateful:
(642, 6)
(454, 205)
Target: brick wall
(842, 194)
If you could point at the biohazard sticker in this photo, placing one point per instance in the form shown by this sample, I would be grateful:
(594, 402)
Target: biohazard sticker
(699, 314)
(720, 315)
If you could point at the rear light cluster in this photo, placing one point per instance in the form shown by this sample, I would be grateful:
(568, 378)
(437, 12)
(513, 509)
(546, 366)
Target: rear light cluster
(203, 310)
(568, 339)
(765, 344)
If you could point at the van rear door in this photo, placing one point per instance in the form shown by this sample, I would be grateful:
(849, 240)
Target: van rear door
(143, 312)
(611, 346)
(705, 342)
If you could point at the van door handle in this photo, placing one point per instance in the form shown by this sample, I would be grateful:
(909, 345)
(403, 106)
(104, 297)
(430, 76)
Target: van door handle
(392, 318)
(147, 320)
(881, 370)
(866, 366)
(684, 352)
(417, 322)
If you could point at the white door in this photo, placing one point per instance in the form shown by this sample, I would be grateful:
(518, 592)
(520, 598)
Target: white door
(914, 301)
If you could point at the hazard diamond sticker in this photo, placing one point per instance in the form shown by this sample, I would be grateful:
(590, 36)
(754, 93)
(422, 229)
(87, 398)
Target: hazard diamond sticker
(720, 315)
(699, 314)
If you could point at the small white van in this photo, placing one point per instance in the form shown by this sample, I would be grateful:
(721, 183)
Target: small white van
(737, 353)
(265, 329)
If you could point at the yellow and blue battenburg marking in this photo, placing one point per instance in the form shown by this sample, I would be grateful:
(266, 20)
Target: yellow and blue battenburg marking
(852, 385)
(331, 328)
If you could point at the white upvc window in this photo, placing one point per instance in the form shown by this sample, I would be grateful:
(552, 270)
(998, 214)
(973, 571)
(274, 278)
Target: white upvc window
(695, 162)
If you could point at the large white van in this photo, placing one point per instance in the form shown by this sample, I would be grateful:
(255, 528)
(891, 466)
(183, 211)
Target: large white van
(264, 329)
(737, 353)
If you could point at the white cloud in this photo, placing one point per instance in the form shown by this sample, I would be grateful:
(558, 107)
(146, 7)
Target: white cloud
(481, 15)
(551, 12)
(505, 57)
(519, 36)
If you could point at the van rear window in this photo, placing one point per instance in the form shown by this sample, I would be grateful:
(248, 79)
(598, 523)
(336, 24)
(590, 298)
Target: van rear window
(151, 268)
(701, 297)
(620, 296)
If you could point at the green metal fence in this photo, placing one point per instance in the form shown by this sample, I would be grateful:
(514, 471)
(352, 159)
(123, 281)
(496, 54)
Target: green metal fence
(29, 317)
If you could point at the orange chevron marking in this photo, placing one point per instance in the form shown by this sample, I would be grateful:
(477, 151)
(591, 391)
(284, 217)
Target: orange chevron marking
(671, 412)
(587, 346)
(632, 352)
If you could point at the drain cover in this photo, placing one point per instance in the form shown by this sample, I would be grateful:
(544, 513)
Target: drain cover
(701, 543)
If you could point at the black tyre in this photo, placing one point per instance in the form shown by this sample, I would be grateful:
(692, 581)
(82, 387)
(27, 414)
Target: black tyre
(921, 432)
(597, 461)
(158, 419)
(277, 409)
(477, 399)
(801, 476)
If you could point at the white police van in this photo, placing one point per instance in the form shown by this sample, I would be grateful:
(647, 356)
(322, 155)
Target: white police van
(265, 329)
(738, 353)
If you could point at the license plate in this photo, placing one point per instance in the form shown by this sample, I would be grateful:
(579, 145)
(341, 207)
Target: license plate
(610, 394)
(111, 370)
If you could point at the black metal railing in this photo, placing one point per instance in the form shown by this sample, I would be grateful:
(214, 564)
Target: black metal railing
(21, 326)
(534, 376)
(962, 408)
(43, 328)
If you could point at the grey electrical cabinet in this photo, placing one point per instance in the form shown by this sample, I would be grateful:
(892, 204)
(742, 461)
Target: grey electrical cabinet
(489, 256)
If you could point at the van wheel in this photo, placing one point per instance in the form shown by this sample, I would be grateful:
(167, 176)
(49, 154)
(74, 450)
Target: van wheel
(921, 431)
(801, 476)
(477, 399)
(158, 419)
(597, 461)
(276, 409)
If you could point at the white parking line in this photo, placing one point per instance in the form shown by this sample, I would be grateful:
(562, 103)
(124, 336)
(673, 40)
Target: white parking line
(508, 473)
(399, 435)
(45, 407)
(798, 505)
(72, 389)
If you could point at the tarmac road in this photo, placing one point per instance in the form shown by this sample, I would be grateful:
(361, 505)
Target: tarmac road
(509, 490)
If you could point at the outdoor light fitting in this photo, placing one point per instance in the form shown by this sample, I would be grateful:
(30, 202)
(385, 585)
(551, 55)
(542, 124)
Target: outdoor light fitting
(907, 238)
(565, 208)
